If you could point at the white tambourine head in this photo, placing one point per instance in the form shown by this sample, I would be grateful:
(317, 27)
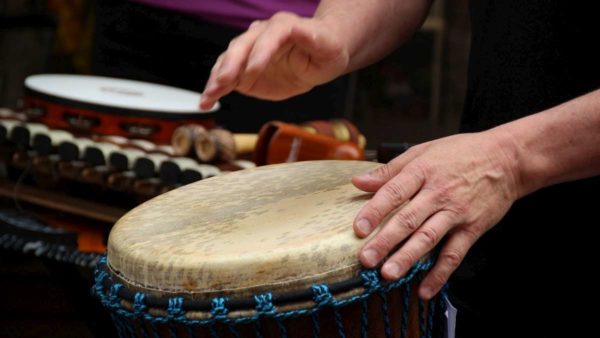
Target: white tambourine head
(119, 93)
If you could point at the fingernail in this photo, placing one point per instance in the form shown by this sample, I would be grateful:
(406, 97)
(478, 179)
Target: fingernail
(370, 257)
(426, 292)
(392, 270)
(363, 226)
(203, 105)
(367, 174)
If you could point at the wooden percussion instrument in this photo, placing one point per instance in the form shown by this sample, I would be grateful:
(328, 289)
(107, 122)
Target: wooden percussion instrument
(280, 142)
(186, 137)
(108, 106)
(9, 114)
(171, 170)
(147, 166)
(98, 153)
(210, 145)
(265, 252)
(6, 127)
(48, 142)
(22, 134)
(340, 129)
(124, 158)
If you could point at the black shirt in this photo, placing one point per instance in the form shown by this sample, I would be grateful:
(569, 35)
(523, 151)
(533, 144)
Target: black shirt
(529, 275)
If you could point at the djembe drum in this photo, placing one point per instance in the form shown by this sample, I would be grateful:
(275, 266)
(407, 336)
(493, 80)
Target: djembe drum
(262, 252)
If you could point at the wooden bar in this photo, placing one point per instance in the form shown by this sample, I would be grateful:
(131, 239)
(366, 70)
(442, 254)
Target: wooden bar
(61, 202)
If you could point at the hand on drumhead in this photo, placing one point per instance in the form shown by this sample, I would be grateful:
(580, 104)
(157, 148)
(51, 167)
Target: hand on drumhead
(275, 59)
(459, 187)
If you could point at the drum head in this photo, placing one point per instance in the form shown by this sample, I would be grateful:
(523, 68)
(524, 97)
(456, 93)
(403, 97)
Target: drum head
(278, 227)
(109, 94)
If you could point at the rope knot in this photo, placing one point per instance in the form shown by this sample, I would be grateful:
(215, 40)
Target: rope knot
(264, 303)
(113, 300)
(218, 309)
(321, 294)
(139, 306)
(175, 309)
(370, 279)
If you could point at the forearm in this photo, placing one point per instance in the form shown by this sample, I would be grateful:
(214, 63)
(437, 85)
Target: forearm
(557, 145)
(372, 28)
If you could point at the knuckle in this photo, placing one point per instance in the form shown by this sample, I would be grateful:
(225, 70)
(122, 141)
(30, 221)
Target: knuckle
(420, 170)
(384, 171)
(394, 192)
(283, 16)
(429, 237)
(336, 46)
(375, 213)
(438, 277)
(461, 208)
(472, 232)
(452, 258)
(383, 244)
(255, 24)
(456, 211)
(408, 220)
(407, 259)
(443, 195)
(233, 42)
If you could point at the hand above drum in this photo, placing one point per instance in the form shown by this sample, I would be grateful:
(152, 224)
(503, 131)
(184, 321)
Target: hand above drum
(459, 186)
(276, 59)
(288, 55)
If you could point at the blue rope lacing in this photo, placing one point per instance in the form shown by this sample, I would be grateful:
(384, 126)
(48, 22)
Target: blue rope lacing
(264, 308)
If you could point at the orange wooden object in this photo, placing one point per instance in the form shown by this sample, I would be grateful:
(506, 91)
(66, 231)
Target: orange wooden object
(280, 142)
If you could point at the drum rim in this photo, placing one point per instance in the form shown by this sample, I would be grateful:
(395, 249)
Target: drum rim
(248, 303)
(101, 108)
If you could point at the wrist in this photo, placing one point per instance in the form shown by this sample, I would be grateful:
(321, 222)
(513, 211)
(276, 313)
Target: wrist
(337, 30)
(525, 166)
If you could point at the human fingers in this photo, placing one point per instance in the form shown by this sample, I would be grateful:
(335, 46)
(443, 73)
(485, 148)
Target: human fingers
(452, 254)
(208, 98)
(226, 72)
(399, 188)
(418, 245)
(397, 228)
(273, 41)
(373, 180)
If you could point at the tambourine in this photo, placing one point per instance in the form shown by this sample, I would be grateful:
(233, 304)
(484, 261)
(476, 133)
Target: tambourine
(108, 106)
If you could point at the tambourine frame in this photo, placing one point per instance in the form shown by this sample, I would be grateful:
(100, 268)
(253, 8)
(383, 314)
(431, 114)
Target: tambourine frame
(86, 117)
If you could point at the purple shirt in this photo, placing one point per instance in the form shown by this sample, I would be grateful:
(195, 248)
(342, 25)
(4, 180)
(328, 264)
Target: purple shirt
(236, 13)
